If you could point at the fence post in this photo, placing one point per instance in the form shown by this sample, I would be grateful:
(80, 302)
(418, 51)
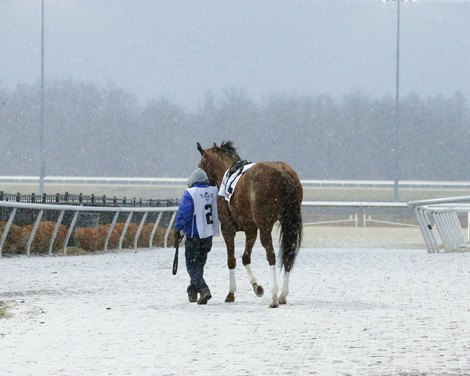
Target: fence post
(170, 225)
(69, 233)
(6, 229)
(468, 226)
(110, 230)
(33, 232)
(139, 230)
(56, 230)
(124, 230)
(154, 229)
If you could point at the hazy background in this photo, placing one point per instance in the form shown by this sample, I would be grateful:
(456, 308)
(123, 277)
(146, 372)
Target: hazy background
(132, 85)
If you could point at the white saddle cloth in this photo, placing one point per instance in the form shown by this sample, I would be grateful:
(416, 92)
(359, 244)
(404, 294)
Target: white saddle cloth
(227, 187)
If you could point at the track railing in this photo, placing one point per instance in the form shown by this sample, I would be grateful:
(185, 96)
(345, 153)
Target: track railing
(439, 222)
(182, 182)
(41, 208)
(360, 211)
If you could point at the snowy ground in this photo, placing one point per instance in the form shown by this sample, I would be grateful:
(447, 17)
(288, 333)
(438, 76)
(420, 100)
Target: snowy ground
(350, 312)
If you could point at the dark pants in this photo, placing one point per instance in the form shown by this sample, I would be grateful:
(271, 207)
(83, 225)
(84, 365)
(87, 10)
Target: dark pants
(196, 251)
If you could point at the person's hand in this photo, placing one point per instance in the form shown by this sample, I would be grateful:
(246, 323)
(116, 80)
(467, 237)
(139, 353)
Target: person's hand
(178, 236)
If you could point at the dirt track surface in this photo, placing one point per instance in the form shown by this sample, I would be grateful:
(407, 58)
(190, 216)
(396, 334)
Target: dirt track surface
(350, 311)
(362, 237)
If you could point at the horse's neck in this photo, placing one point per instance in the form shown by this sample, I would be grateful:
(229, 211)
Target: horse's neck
(225, 166)
(220, 174)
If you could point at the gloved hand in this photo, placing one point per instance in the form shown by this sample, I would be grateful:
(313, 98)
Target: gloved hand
(178, 237)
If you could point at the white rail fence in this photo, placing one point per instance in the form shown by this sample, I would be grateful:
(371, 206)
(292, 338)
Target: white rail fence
(437, 219)
(359, 217)
(440, 225)
(182, 182)
(41, 208)
(360, 209)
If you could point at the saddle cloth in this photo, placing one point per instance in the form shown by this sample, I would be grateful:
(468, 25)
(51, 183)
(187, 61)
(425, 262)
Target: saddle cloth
(231, 178)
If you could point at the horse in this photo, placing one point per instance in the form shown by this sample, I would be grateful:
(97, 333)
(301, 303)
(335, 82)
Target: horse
(266, 193)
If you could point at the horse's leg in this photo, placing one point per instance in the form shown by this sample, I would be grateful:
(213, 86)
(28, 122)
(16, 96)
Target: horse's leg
(249, 243)
(285, 289)
(267, 242)
(229, 238)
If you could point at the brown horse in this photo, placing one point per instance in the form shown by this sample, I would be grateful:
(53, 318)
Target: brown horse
(265, 193)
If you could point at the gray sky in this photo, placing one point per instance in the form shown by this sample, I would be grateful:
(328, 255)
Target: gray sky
(184, 49)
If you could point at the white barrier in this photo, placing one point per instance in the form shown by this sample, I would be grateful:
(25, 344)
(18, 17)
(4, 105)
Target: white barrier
(76, 210)
(358, 206)
(441, 216)
(182, 182)
(93, 180)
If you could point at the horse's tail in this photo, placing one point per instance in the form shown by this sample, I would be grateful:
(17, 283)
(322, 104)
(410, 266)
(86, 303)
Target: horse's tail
(291, 223)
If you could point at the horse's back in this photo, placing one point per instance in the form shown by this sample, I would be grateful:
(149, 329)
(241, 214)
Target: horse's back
(262, 189)
(273, 174)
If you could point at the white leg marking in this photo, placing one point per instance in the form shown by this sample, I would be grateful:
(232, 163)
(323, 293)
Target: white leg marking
(233, 285)
(250, 274)
(285, 288)
(275, 288)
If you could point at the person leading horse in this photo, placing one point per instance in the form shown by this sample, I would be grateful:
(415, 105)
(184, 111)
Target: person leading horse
(265, 193)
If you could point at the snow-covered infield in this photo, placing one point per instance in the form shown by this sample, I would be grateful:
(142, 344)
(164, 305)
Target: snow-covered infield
(349, 312)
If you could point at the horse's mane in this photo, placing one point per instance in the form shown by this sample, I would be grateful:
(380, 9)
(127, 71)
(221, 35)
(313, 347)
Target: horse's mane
(227, 148)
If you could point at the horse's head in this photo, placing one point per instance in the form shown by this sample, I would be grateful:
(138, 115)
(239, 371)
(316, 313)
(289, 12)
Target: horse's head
(217, 159)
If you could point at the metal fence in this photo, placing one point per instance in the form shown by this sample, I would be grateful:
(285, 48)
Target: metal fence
(357, 213)
(442, 215)
(86, 200)
(61, 211)
(440, 222)
(73, 216)
(182, 182)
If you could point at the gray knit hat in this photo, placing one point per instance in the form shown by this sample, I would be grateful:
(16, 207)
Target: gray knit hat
(198, 176)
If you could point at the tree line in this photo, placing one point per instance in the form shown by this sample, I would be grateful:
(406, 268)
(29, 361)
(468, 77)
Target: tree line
(106, 131)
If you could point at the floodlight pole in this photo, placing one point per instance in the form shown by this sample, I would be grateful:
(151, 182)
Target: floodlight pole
(397, 109)
(42, 152)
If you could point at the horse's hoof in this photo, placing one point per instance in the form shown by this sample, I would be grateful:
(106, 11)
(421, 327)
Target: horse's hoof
(230, 297)
(258, 289)
(274, 302)
(282, 300)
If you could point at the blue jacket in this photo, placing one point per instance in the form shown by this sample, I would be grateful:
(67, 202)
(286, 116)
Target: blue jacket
(185, 219)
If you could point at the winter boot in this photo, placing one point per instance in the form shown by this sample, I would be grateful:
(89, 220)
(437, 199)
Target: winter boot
(205, 296)
(192, 297)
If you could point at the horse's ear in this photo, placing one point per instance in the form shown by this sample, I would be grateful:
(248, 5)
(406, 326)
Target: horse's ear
(199, 147)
